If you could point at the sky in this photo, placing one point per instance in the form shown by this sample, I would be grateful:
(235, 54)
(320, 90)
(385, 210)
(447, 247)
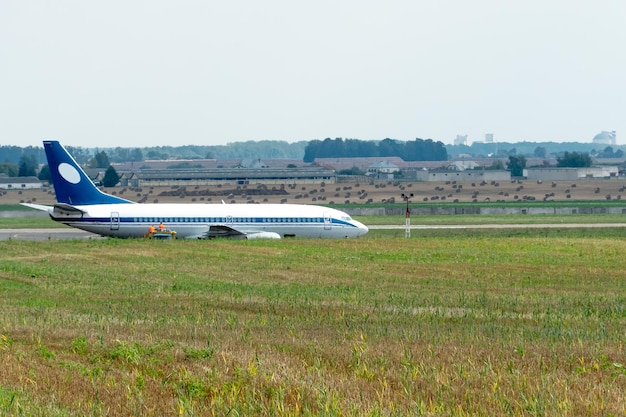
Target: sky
(202, 72)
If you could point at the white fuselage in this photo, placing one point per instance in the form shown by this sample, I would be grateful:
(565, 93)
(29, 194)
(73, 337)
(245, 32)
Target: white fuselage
(205, 220)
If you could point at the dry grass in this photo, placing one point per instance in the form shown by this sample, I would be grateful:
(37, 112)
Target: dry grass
(440, 326)
(363, 193)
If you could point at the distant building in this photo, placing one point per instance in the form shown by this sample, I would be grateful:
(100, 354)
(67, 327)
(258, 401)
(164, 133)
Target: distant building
(462, 165)
(460, 140)
(252, 163)
(20, 183)
(364, 164)
(383, 170)
(570, 174)
(605, 138)
(440, 175)
(203, 177)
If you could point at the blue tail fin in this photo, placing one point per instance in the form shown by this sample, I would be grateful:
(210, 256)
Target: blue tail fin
(71, 184)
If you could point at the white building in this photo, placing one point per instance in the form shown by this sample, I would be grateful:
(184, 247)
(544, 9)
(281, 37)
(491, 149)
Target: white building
(570, 174)
(19, 183)
(605, 138)
(383, 170)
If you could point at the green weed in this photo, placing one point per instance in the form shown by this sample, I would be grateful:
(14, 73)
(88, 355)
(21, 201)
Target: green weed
(474, 324)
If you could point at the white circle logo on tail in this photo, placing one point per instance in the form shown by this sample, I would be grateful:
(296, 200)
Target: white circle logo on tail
(69, 173)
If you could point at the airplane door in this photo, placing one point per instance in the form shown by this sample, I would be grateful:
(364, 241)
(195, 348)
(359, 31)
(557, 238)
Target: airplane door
(327, 221)
(115, 220)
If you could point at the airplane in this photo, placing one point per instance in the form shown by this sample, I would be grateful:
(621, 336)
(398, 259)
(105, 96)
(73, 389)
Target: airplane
(82, 205)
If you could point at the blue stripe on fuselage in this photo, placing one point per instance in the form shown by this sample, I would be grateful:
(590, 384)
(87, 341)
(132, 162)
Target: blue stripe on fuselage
(211, 220)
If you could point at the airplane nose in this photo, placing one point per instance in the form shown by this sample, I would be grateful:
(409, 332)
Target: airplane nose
(362, 229)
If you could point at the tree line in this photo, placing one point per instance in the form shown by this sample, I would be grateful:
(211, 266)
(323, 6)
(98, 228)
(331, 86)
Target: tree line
(416, 150)
(517, 163)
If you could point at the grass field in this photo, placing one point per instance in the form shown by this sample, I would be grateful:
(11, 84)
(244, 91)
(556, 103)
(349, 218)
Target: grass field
(470, 323)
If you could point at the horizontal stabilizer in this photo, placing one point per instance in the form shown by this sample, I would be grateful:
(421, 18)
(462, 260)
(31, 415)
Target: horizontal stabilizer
(67, 210)
(37, 207)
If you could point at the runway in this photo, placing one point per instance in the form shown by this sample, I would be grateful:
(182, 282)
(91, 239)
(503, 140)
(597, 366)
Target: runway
(69, 233)
(46, 234)
(500, 226)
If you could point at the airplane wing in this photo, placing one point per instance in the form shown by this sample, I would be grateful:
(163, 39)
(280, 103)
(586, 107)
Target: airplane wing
(225, 231)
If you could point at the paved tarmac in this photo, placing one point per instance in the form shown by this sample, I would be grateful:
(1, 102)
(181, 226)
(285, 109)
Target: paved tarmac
(500, 226)
(46, 234)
